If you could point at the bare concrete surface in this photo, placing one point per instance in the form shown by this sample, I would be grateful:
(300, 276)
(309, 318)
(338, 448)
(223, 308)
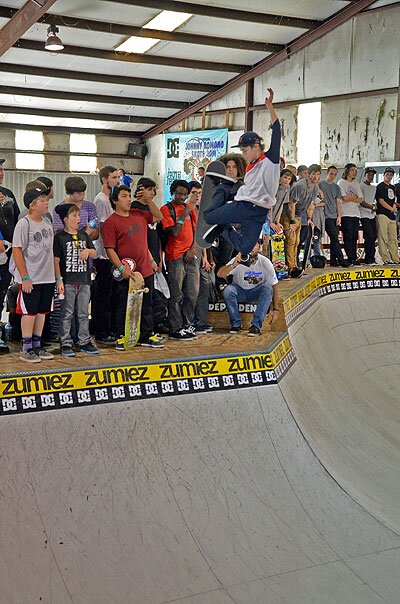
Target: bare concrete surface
(283, 494)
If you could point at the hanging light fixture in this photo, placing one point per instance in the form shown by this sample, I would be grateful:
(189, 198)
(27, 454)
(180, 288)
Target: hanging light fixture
(53, 42)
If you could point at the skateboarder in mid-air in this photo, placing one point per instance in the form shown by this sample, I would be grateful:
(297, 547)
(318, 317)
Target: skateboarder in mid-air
(251, 204)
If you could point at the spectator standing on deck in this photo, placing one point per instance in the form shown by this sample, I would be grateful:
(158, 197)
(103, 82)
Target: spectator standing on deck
(9, 213)
(102, 286)
(33, 268)
(72, 249)
(179, 223)
(387, 209)
(368, 215)
(352, 196)
(333, 217)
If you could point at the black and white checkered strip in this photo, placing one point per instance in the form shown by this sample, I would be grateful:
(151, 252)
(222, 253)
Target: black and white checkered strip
(285, 364)
(334, 288)
(120, 393)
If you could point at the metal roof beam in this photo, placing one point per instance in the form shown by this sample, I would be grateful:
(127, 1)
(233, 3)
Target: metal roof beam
(130, 57)
(295, 46)
(21, 21)
(104, 78)
(80, 115)
(70, 129)
(131, 30)
(206, 10)
(90, 98)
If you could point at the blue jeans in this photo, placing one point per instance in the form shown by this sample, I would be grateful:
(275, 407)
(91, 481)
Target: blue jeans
(250, 216)
(235, 295)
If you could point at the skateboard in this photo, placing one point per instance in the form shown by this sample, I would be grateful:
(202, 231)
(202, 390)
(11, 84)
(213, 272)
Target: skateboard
(133, 310)
(278, 254)
(215, 174)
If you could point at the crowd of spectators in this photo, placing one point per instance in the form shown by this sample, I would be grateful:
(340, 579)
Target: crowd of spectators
(71, 281)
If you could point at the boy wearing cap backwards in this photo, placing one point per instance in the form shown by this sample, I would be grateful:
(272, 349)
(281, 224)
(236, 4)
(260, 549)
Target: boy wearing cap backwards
(256, 196)
(33, 268)
(387, 210)
(72, 249)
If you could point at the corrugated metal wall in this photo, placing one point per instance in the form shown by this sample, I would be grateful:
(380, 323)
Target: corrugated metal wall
(16, 181)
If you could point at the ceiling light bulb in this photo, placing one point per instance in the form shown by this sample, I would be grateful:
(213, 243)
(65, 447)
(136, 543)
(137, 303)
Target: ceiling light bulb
(53, 42)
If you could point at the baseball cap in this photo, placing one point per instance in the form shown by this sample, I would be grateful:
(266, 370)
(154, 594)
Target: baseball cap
(389, 169)
(2, 161)
(369, 171)
(46, 181)
(62, 210)
(247, 139)
(33, 194)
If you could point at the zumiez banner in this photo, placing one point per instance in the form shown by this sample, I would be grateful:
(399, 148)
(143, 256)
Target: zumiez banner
(185, 152)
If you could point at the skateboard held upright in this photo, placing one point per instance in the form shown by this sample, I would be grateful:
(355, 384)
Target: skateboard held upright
(278, 256)
(215, 174)
(134, 310)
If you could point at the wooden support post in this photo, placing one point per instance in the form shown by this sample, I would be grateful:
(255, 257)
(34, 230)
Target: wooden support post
(227, 114)
(397, 139)
(203, 119)
(249, 103)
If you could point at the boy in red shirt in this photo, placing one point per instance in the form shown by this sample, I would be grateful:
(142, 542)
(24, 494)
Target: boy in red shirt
(125, 236)
(179, 221)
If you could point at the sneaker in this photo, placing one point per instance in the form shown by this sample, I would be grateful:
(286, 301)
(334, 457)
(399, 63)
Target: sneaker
(235, 329)
(254, 331)
(120, 345)
(203, 329)
(213, 232)
(68, 351)
(30, 356)
(89, 348)
(109, 340)
(335, 263)
(191, 330)
(344, 263)
(182, 335)
(152, 342)
(43, 354)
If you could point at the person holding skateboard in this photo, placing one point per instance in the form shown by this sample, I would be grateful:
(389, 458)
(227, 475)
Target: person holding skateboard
(256, 196)
(125, 236)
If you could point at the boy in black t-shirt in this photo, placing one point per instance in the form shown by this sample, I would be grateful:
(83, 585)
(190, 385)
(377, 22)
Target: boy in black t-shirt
(387, 211)
(72, 249)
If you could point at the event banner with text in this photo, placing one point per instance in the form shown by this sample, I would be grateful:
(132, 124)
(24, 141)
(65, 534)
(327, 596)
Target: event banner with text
(185, 152)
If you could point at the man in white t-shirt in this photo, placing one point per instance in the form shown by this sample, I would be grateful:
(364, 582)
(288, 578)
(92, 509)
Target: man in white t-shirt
(101, 303)
(253, 281)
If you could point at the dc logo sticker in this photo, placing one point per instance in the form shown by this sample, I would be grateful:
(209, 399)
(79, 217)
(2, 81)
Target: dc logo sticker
(173, 147)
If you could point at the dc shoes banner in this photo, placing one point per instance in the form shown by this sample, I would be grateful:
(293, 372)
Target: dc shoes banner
(187, 151)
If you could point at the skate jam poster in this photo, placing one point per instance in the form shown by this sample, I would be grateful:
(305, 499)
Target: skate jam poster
(185, 152)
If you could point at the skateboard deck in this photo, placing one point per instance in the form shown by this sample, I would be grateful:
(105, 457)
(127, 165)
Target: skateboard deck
(307, 248)
(133, 310)
(278, 255)
(215, 174)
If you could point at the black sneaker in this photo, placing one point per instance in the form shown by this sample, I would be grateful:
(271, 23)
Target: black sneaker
(182, 335)
(89, 348)
(235, 329)
(68, 351)
(344, 263)
(152, 342)
(191, 330)
(213, 232)
(254, 331)
(202, 329)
